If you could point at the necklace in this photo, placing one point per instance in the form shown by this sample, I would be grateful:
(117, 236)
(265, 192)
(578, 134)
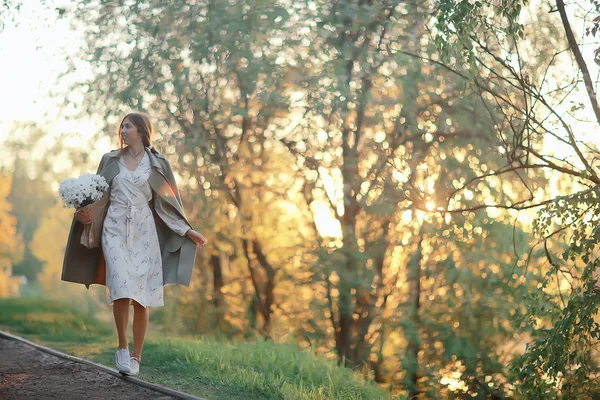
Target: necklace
(136, 156)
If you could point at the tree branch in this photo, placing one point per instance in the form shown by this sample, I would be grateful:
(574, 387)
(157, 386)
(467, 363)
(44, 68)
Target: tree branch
(579, 58)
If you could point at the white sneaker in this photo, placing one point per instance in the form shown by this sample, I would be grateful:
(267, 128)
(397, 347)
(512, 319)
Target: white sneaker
(134, 367)
(122, 361)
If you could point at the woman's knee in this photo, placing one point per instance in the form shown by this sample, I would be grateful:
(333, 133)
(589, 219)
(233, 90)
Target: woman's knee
(137, 306)
(121, 302)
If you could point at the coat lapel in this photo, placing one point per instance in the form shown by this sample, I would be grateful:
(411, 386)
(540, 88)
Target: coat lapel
(110, 170)
(161, 185)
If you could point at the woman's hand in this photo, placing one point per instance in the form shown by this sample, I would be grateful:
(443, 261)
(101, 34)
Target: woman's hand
(85, 217)
(196, 237)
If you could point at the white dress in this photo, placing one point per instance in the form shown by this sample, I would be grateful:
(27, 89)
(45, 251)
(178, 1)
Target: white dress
(129, 238)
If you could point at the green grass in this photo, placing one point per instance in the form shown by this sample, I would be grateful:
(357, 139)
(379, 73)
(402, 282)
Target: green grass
(204, 367)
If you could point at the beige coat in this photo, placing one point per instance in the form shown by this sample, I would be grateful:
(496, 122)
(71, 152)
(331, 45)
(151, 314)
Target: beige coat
(86, 266)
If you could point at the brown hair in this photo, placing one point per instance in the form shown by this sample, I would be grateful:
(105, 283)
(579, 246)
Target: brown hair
(142, 122)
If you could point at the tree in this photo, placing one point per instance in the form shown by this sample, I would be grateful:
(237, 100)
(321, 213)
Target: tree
(11, 245)
(8, 10)
(395, 134)
(562, 358)
(30, 195)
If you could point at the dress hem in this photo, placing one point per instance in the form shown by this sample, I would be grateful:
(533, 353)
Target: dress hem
(131, 299)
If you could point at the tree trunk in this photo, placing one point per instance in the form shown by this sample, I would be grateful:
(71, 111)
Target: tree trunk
(349, 248)
(269, 286)
(217, 300)
(412, 326)
(263, 283)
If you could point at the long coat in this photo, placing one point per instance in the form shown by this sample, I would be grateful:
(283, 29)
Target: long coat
(86, 266)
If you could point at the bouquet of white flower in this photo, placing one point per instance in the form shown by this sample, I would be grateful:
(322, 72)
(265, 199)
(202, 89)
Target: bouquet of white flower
(90, 193)
(82, 191)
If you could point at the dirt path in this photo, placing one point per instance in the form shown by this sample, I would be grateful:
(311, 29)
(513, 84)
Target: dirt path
(29, 373)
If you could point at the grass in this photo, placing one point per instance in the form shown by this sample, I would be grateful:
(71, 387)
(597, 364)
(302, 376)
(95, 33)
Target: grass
(216, 370)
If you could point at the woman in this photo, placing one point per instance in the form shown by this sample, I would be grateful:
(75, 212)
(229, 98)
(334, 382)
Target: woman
(146, 239)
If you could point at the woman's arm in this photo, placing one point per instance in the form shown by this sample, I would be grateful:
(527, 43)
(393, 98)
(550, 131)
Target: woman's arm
(173, 220)
(196, 237)
(171, 217)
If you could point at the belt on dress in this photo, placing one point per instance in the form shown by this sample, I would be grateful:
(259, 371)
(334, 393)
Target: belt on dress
(130, 209)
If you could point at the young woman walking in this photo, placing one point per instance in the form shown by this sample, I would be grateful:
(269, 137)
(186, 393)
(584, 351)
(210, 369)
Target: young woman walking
(146, 239)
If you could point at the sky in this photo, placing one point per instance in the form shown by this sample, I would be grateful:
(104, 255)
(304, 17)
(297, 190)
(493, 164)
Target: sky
(28, 67)
(34, 50)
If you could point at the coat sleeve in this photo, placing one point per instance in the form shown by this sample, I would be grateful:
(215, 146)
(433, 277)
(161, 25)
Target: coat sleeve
(171, 218)
(101, 165)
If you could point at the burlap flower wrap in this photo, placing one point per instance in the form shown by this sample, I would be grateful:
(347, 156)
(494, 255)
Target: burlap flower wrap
(89, 192)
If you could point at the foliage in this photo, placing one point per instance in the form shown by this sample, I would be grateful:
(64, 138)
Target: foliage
(470, 293)
(11, 246)
(396, 136)
(457, 24)
(562, 361)
(8, 10)
(29, 194)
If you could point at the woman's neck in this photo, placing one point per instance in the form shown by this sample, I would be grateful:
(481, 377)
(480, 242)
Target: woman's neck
(135, 149)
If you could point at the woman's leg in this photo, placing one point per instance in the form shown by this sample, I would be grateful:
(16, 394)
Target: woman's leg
(140, 325)
(121, 314)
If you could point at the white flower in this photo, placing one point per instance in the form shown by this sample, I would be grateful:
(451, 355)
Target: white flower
(79, 192)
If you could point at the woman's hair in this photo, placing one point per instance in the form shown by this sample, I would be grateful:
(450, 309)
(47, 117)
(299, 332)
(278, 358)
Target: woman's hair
(142, 122)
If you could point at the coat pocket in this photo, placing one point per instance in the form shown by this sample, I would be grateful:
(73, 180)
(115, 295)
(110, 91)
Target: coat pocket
(174, 243)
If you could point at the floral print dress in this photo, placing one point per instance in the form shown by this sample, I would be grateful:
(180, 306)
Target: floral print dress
(129, 237)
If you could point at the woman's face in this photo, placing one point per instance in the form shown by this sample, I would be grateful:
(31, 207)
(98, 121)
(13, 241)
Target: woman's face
(129, 133)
